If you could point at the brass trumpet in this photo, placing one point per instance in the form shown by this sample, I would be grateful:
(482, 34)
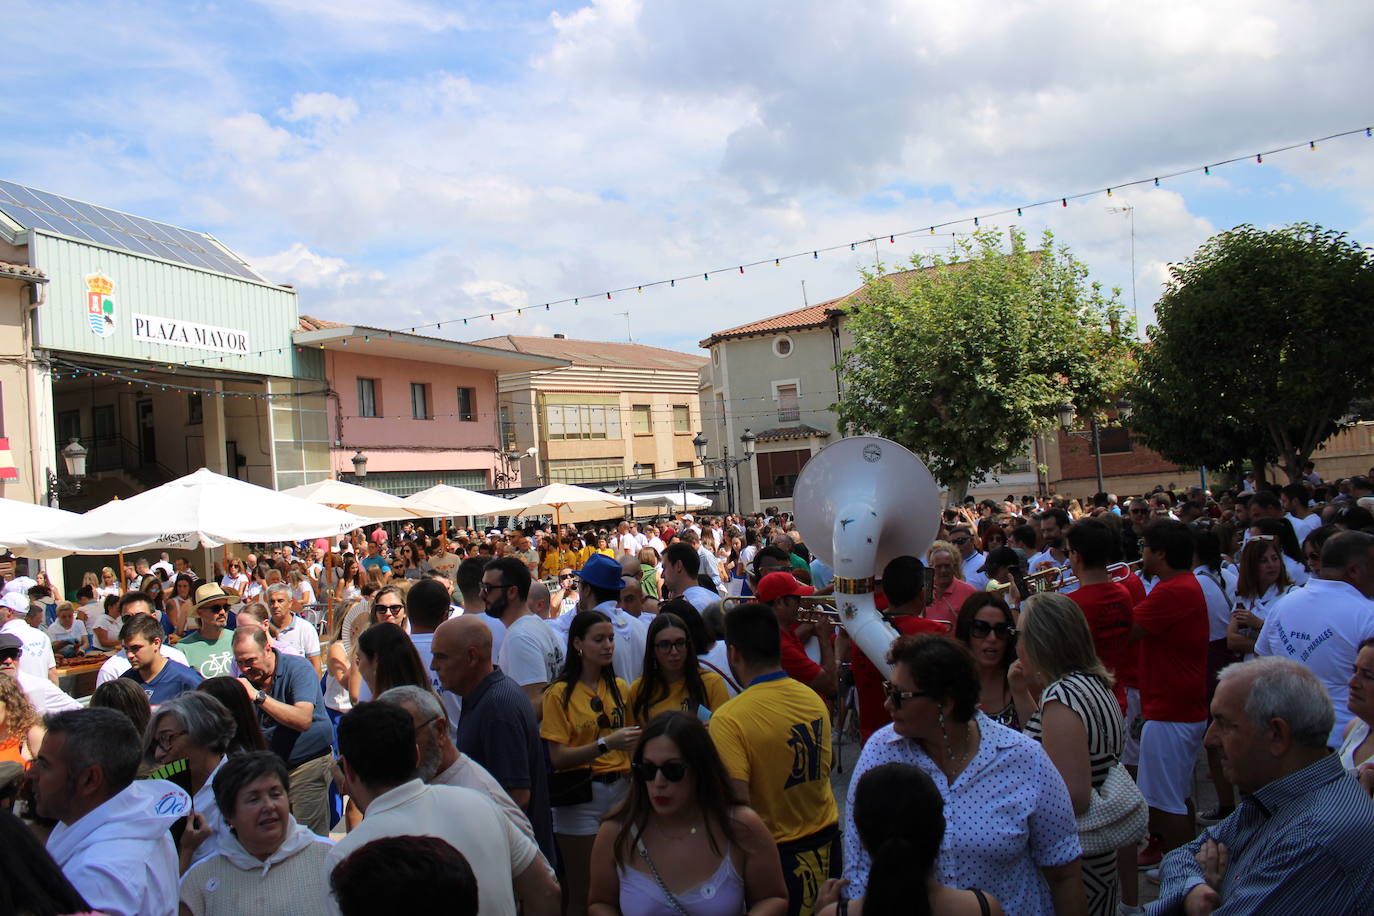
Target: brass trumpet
(814, 609)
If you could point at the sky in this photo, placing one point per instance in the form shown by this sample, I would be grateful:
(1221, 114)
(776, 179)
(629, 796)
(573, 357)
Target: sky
(408, 161)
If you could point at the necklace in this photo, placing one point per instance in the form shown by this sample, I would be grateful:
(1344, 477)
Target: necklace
(679, 837)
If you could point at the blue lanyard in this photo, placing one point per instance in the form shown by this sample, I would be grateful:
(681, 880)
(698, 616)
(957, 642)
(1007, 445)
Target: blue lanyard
(775, 676)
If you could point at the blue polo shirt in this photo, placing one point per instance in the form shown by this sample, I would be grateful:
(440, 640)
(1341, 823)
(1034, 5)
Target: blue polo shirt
(497, 729)
(295, 681)
(172, 681)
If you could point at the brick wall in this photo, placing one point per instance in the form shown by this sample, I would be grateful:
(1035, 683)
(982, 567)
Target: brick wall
(1078, 470)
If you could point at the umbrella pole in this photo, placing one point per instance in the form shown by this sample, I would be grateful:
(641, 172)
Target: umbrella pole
(123, 584)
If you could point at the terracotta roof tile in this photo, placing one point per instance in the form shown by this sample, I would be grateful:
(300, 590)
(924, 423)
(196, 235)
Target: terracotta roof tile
(22, 271)
(310, 323)
(812, 316)
(598, 352)
(800, 431)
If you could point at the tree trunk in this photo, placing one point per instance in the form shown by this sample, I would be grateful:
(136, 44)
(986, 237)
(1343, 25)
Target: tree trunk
(1258, 463)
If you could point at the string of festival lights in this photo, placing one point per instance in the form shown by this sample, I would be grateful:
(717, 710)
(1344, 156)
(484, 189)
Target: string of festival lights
(969, 222)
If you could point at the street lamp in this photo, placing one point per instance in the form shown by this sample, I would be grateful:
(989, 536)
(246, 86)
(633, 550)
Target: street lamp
(74, 456)
(1066, 412)
(725, 462)
(359, 464)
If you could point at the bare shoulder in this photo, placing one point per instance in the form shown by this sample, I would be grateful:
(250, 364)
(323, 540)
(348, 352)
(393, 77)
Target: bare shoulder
(749, 823)
(962, 903)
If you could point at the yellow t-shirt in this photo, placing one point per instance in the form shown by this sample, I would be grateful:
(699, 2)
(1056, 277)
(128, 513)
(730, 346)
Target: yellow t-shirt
(776, 737)
(556, 560)
(576, 724)
(716, 695)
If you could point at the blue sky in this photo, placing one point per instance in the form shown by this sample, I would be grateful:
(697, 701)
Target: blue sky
(404, 161)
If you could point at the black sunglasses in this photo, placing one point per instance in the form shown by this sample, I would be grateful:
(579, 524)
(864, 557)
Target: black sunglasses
(897, 697)
(602, 720)
(673, 770)
(982, 629)
(7, 654)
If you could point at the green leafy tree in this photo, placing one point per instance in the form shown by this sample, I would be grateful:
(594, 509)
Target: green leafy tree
(964, 359)
(1261, 348)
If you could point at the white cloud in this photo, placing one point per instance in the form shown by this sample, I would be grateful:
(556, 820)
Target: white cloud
(301, 267)
(414, 158)
(322, 106)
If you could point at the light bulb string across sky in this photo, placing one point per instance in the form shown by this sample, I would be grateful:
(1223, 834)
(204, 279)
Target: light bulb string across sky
(815, 253)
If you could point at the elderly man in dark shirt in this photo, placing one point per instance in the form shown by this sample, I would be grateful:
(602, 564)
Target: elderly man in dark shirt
(497, 728)
(1298, 841)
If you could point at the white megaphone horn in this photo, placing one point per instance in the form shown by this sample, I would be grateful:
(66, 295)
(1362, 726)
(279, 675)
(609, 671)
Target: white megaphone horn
(860, 503)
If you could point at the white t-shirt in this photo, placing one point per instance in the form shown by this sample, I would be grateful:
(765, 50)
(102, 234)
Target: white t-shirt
(58, 633)
(117, 664)
(303, 593)
(530, 652)
(1302, 527)
(1218, 607)
(37, 658)
(107, 623)
(46, 697)
(234, 583)
(299, 634)
(972, 576)
(1321, 625)
(467, 820)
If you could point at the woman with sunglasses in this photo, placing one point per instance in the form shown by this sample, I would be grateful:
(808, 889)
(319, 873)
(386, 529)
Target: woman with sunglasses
(987, 627)
(676, 844)
(1263, 580)
(672, 679)
(1076, 718)
(109, 585)
(1011, 826)
(388, 607)
(584, 727)
(233, 579)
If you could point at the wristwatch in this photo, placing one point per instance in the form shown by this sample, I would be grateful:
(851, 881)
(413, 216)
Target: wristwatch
(602, 747)
(260, 698)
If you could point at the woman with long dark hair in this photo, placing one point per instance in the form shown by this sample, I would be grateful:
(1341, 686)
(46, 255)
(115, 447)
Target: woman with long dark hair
(248, 736)
(1280, 530)
(672, 679)
(899, 816)
(584, 726)
(387, 658)
(180, 602)
(986, 625)
(677, 843)
(1263, 580)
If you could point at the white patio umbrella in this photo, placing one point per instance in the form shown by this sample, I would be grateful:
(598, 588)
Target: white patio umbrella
(556, 497)
(19, 521)
(672, 499)
(449, 500)
(373, 505)
(203, 509)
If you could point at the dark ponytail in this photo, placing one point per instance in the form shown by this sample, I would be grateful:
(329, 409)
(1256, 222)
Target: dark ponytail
(900, 818)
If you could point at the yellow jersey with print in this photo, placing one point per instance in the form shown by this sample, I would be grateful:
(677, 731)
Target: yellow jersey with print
(588, 715)
(677, 698)
(775, 736)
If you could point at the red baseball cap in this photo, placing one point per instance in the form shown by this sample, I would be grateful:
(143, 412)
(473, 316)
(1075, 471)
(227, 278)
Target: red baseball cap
(776, 584)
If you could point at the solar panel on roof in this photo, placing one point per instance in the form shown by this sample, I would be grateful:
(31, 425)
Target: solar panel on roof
(34, 209)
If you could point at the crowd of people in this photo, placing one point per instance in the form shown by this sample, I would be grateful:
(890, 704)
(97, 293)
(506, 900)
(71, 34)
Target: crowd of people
(642, 719)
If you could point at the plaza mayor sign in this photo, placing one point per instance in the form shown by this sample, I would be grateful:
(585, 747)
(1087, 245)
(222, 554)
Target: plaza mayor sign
(177, 333)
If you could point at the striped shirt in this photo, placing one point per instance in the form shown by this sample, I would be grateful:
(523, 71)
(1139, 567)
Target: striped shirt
(1298, 846)
(1089, 698)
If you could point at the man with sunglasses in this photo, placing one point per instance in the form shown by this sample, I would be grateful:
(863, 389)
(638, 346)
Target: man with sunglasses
(38, 655)
(961, 536)
(530, 652)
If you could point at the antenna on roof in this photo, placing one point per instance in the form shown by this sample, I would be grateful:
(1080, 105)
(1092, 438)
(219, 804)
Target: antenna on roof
(628, 334)
(805, 304)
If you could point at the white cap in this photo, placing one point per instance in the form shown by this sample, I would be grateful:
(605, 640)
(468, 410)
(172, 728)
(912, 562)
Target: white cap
(15, 602)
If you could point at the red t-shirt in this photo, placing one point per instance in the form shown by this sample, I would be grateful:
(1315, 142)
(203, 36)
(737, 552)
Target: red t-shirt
(1107, 608)
(1173, 657)
(795, 661)
(868, 681)
(1131, 677)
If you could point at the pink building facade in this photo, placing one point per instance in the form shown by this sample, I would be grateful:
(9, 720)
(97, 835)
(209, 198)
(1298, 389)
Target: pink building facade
(421, 410)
